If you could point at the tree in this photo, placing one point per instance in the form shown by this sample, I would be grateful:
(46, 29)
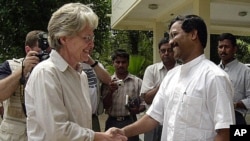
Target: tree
(137, 43)
(17, 18)
(243, 53)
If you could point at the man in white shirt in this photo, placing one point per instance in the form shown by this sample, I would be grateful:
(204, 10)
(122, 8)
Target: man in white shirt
(152, 78)
(193, 97)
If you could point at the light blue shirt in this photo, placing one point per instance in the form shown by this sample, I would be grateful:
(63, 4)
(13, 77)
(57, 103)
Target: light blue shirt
(239, 74)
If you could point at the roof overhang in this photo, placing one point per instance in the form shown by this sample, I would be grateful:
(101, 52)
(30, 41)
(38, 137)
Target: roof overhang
(137, 15)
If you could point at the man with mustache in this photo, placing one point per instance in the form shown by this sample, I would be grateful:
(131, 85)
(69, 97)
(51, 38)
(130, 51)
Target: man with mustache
(193, 97)
(116, 95)
(152, 78)
(239, 75)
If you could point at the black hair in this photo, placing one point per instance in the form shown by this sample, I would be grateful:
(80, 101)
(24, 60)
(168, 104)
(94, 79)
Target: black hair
(228, 36)
(190, 23)
(120, 53)
(163, 40)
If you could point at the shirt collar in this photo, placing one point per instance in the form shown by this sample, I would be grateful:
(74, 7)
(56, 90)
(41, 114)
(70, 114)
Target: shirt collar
(228, 65)
(129, 76)
(60, 63)
(188, 66)
(161, 66)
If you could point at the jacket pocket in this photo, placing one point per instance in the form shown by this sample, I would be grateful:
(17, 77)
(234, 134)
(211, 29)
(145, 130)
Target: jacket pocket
(12, 128)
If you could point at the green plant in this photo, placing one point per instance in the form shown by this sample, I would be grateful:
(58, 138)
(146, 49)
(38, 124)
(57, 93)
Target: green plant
(136, 63)
(243, 51)
(136, 66)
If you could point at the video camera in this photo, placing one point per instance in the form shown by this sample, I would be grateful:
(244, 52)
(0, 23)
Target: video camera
(44, 45)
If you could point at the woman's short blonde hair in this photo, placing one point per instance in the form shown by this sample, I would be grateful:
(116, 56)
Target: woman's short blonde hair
(69, 20)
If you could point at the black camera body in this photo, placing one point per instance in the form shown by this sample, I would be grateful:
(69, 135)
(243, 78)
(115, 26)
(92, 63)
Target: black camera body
(133, 102)
(42, 55)
(44, 45)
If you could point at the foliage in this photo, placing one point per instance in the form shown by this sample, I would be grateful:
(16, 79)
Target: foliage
(136, 63)
(136, 66)
(137, 43)
(243, 52)
(35, 14)
(17, 18)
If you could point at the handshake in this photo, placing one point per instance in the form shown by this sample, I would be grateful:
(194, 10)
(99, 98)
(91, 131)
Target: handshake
(115, 134)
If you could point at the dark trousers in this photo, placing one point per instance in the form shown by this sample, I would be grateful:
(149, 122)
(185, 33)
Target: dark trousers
(240, 119)
(153, 135)
(95, 123)
(121, 122)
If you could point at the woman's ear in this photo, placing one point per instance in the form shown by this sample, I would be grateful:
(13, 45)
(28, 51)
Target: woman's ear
(62, 40)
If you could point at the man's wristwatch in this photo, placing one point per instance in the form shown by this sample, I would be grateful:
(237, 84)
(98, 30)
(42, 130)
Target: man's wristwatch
(93, 65)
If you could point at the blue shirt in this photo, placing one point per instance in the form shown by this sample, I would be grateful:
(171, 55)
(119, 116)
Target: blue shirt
(239, 74)
(4, 70)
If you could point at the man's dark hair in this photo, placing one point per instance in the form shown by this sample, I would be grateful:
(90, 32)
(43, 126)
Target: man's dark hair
(190, 23)
(32, 37)
(163, 40)
(229, 37)
(120, 53)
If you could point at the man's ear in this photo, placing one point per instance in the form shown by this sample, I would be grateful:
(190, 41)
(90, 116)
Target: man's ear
(27, 49)
(194, 34)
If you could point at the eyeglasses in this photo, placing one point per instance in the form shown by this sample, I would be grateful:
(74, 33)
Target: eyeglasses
(88, 38)
(169, 50)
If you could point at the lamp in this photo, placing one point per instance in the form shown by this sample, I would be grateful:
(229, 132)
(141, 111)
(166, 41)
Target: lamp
(153, 6)
(242, 13)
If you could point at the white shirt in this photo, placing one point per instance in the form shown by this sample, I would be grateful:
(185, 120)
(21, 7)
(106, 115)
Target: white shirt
(57, 102)
(153, 76)
(1, 115)
(192, 100)
(239, 74)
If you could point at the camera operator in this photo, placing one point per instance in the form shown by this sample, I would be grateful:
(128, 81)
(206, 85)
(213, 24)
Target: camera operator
(13, 75)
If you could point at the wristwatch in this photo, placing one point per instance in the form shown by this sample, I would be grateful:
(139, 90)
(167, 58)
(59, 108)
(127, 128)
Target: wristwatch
(93, 65)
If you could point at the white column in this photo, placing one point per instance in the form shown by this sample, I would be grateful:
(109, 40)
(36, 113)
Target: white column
(202, 8)
(158, 33)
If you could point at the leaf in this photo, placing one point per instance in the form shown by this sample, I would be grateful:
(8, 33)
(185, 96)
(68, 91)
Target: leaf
(136, 64)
